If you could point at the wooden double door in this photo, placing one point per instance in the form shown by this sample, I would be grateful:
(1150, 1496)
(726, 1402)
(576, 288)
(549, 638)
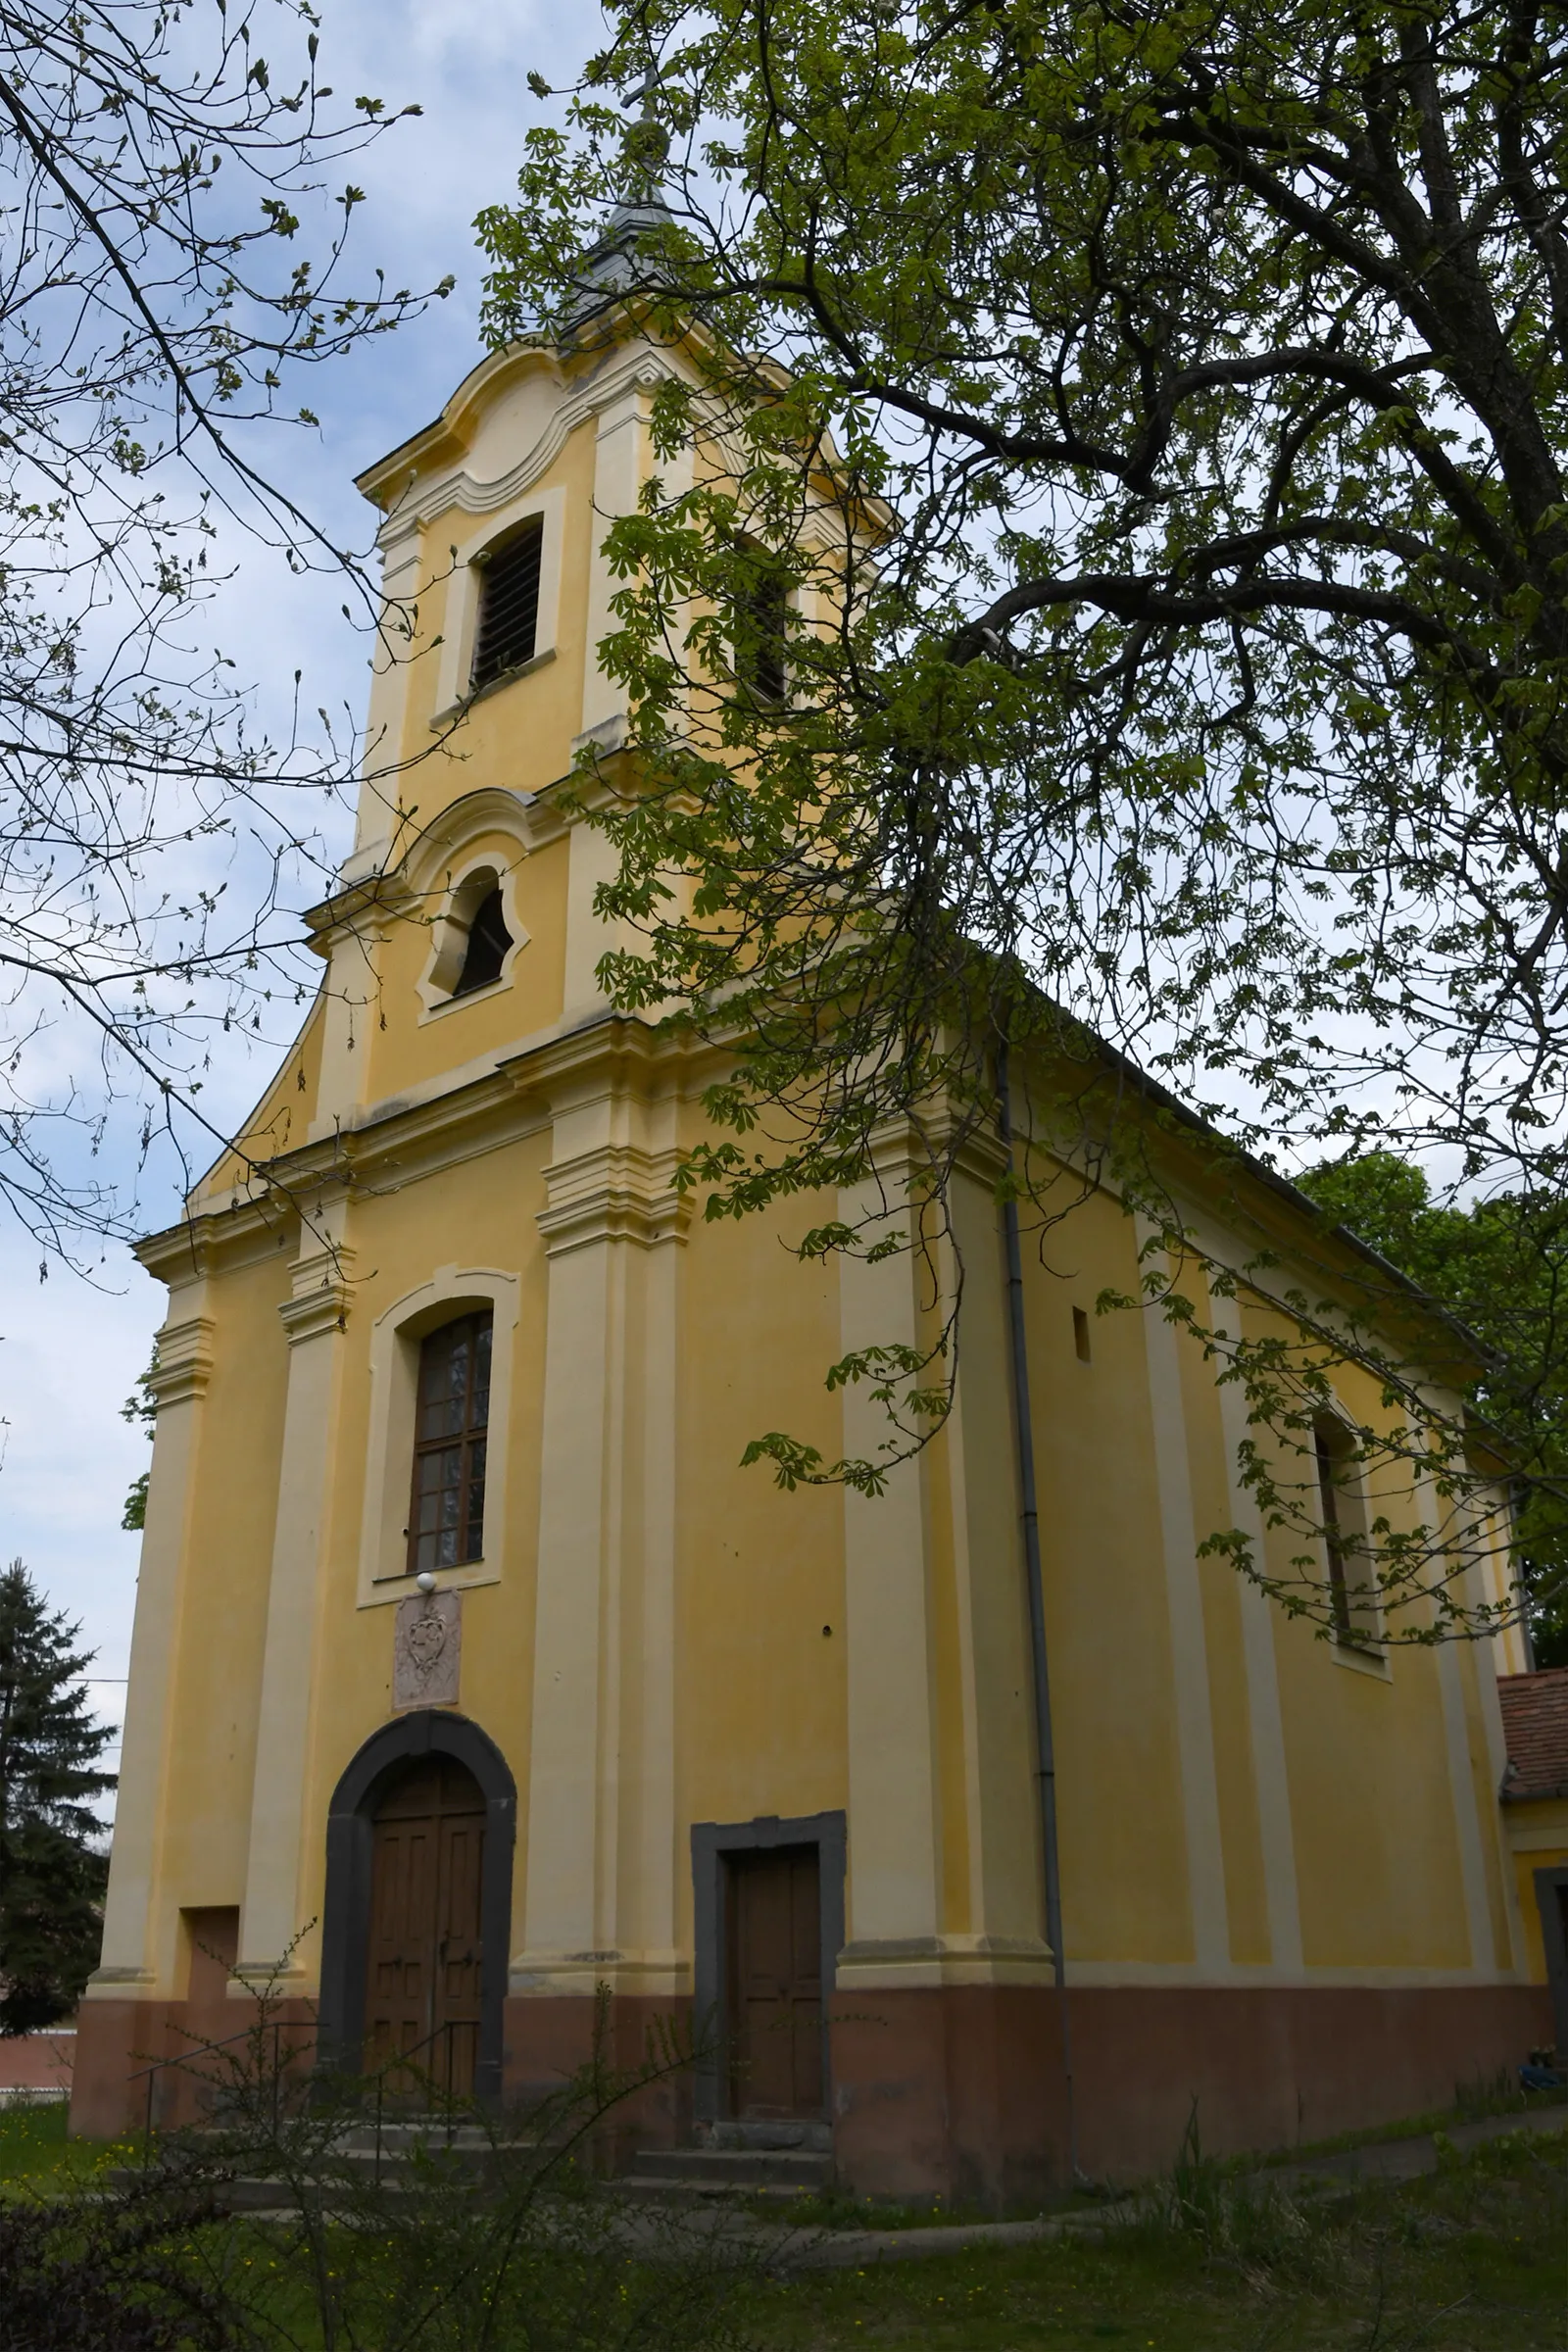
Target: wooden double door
(425, 1959)
(773, 1997)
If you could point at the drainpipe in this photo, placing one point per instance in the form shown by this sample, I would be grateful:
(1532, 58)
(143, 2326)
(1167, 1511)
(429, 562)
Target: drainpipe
(1029, 1512)
(1527, 1639)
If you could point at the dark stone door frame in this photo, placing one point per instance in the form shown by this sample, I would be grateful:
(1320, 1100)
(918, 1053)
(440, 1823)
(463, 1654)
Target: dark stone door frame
(346, 1915)
(1548, 1901)
(711, 1841)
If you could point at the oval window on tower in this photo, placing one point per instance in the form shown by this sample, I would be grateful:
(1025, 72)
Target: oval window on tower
(486, 951)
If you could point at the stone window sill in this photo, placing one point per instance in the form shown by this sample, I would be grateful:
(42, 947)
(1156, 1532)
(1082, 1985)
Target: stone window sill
(1374, 1662)
(443, 720)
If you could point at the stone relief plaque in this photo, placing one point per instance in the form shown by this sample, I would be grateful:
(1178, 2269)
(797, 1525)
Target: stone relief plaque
(427, 1646)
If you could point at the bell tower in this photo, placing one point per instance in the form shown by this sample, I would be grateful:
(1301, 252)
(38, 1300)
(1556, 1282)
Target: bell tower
(487, 688)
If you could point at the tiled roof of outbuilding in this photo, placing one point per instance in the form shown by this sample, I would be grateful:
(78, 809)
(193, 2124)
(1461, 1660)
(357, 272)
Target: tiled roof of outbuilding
(1535, 1724)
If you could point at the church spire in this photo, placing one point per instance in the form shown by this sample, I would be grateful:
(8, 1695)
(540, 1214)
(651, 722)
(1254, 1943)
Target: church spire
(614, 266)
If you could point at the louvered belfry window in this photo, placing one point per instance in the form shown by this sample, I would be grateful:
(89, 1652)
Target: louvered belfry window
(509, 605)
(761, 625)
(446, 1524)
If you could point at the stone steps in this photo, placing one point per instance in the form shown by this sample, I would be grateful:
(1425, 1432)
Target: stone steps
(402, 2139)
(354, 2151)
(774, 2162)
(689, 2174)
(775, 2133)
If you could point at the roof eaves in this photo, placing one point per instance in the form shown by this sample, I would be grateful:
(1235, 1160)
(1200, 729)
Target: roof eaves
(1299, 1202)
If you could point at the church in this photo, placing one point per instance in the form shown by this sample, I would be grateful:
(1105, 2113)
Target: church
(474, 1674)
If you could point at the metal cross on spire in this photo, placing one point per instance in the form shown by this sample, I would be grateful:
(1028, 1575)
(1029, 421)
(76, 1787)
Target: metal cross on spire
(615, 266)
(647, 138)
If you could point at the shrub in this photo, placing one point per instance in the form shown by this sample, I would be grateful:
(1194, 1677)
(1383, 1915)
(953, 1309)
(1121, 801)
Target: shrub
(109, 2273)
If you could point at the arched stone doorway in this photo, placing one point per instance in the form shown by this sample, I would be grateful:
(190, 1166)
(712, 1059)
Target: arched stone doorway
(419, 1899)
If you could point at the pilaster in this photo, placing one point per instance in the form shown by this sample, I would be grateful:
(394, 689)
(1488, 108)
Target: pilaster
(1189, 1648)
(138, 1939)
(391, 667)
(895, 1878)
(313, 1318)
(353, 985)
(1491, 1532)
(621, 431)
(1473, 1764)
(1265, 1716)
(618, 456)
(602, 1861)
(1004, 1942)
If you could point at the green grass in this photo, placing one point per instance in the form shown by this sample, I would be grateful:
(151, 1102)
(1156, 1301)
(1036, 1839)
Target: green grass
(1470, 2259)
(33, 2141)
(36, 2150)
(1473, 2103)
(835, 2209)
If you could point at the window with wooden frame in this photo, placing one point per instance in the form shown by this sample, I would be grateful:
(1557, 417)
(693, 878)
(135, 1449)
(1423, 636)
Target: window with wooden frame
(509, 605)
(762, 626)
(1353, 1601)
(452, 1412)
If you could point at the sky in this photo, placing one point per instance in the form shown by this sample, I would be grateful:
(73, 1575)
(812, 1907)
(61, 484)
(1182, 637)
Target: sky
(70, 1348)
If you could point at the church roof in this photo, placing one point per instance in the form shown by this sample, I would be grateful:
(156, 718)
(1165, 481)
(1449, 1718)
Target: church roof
(618, 263)
(1535, 1724)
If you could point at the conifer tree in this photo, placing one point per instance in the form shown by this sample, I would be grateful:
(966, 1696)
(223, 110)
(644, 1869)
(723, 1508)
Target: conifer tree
(52, 1872)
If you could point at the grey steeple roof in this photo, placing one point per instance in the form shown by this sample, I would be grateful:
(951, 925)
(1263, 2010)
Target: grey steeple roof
(615, 264)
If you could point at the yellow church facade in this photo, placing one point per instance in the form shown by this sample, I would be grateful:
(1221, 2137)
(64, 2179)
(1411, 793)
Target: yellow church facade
(648, 1723)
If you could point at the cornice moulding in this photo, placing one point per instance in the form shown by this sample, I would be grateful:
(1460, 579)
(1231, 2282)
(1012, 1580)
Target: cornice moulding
(398, 1140)
(597, 1058)
(320, 1310)
(458, 412)
(322, 1292)
(355, 1158)
(392, 890)
(184, 1361)
(615, 1192)
(642, 369)
(181, 1253)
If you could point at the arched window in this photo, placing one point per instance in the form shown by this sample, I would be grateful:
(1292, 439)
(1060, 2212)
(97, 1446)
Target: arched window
(446, 1519)
(420, 1413)
(509, 605)
(1352, 1597)
(488, 942)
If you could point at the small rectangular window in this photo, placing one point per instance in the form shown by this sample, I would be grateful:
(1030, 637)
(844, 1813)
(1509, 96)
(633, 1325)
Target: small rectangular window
(1080, 1334)
(446, 1521)
(509, 605)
